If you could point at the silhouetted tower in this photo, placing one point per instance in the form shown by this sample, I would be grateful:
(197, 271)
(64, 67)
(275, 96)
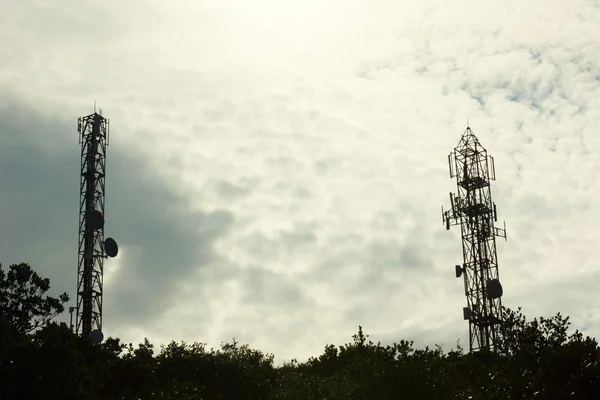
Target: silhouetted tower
(473, 209)
(93, 249)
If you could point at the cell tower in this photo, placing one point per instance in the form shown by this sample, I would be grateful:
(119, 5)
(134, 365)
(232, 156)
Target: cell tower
(93, 249)
(472, 208)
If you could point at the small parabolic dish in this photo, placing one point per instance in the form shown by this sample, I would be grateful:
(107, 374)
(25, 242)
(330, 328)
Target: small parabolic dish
(96, 336)
(494, 289)
(110, 247)
(459, 271)
(466, 313)
(94, 219)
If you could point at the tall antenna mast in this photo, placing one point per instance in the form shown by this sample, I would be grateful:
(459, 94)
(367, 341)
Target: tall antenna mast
(472, 208)
(93, 249)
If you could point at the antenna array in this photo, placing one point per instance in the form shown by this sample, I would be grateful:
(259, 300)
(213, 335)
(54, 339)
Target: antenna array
(472, 208)
(93, 249)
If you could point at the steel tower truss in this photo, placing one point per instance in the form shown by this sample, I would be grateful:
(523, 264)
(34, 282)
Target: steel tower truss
(472, 208)
(93, 138)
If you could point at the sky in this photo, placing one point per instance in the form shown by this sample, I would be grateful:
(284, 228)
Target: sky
(276, 168)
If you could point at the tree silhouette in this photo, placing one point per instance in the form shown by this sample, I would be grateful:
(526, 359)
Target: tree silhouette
(24, 303)
(40, 359)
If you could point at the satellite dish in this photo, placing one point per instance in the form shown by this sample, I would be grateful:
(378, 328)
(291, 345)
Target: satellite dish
(110, 247)
(96, 336)
(466, 313)
(459, 271)
(494, 289)
(94, 219)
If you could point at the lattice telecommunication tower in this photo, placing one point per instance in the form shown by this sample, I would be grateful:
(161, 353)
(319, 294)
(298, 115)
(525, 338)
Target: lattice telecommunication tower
(93, 249)
(472, 208)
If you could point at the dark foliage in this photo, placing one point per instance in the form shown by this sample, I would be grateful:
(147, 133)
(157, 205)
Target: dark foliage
(23, 301)
(39, 359)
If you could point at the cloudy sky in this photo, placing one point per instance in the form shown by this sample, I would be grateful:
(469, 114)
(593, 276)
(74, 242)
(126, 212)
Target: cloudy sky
(277, 167)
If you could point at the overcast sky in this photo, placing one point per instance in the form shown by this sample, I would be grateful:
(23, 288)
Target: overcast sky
(276, 167)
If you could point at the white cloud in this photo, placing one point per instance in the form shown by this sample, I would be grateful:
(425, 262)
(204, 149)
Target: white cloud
(323, 127)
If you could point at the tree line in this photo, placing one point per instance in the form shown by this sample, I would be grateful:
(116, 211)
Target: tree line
(39, 359)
